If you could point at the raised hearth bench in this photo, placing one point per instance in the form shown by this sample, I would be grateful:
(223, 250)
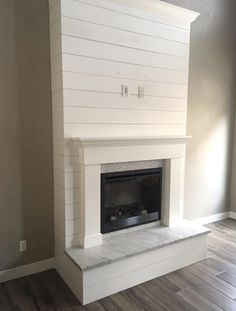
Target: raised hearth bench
(103, 264)
(131, 258)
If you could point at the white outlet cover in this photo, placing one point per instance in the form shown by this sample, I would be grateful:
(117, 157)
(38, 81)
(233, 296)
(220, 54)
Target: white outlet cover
(23, 246)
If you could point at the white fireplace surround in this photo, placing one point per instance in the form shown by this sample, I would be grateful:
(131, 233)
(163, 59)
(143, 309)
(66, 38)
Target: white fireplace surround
(94, 152)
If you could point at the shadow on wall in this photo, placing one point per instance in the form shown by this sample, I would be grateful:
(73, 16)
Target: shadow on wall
(212, 81)
(26, 179)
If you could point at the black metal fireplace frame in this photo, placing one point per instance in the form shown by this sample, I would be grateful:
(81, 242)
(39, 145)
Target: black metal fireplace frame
(136, 220)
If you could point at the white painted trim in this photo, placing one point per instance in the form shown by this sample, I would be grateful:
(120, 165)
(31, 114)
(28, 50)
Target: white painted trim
(232, 215)
(25, 270)
(130, 140)
(163, 8)
(212, 218)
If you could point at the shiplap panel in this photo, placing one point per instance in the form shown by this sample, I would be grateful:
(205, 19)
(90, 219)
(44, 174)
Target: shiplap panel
(73, 227)
(58, 130)
(106, 100)
(72, 195)
(54, 11)
(56, 64)
(100, 50)
(101, 16)
(67, 180)
(117, 130)
(58, 146)
(93, 115)
(55, 47)
(66, 164)
(57, 113)
(87, 82)
(72, 211)
(138, 11)
(57, 98)
(55, 29)
(105, 34)
(84, 64)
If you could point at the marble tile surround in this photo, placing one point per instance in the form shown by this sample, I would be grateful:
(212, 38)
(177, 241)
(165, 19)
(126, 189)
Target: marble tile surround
(130, 244)
(131, 166)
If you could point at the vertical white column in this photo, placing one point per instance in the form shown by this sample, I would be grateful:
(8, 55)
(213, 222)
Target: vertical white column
(90, 205)
(172, 212)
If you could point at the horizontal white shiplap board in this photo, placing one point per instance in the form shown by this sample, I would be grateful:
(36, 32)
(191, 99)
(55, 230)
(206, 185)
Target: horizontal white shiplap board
(57, 115)
(56, 64)
(93, 115)
(66, 164)
(54, 11)
(73, 227)
(55, 47)
(58, 146)
(55, 29)
(86, 82)
(57, 97)
(118, 130)
(83, 47)
(58, 131)
(137, 10)
(67, 196)
(105, 34)
(118, 20)
(65, 147)
(95, 66)
(116, 101)
(72, 211)
(66, 179)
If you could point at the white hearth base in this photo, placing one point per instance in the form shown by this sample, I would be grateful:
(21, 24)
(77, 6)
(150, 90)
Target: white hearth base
(92, 284)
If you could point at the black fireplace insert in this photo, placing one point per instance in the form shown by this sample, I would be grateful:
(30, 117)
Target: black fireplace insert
(130, 198)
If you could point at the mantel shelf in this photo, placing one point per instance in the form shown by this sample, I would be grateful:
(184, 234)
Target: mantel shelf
(131, 140)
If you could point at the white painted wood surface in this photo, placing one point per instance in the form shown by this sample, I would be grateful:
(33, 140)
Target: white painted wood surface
(96, 47)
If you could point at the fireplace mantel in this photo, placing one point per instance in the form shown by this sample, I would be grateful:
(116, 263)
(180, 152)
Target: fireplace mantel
(102, 150)
(94, 152)
(131, 140)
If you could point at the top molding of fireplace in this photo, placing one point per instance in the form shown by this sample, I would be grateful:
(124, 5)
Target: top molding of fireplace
(131, 140)
(164, 9)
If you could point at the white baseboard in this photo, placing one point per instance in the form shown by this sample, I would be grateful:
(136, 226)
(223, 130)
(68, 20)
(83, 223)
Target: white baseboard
(25, 270)
(232, 215)
(212, 218)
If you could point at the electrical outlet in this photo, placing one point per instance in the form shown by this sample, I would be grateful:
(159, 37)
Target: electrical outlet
(23, 246)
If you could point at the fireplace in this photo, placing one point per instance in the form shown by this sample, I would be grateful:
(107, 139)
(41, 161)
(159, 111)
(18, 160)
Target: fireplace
(130, 198)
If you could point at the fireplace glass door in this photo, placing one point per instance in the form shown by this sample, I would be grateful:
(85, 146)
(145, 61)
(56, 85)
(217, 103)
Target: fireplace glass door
(130, 198)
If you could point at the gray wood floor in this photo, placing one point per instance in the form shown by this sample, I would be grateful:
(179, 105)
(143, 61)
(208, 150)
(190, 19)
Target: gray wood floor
(205, 286)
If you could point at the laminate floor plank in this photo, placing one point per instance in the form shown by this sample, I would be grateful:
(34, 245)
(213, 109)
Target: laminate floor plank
(195, 301)
(209, 285)
(210, 293)
(228, 277)
(215, 282)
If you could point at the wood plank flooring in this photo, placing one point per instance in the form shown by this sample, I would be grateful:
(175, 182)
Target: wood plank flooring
(206, 286)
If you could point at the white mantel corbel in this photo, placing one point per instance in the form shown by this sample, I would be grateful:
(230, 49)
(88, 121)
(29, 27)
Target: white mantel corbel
(93, 152)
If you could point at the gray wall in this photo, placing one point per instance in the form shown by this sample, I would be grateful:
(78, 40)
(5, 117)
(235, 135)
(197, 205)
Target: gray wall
(26, 191)
(210, 107)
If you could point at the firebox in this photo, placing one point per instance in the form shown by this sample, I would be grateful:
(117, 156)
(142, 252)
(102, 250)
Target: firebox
(130, 198)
